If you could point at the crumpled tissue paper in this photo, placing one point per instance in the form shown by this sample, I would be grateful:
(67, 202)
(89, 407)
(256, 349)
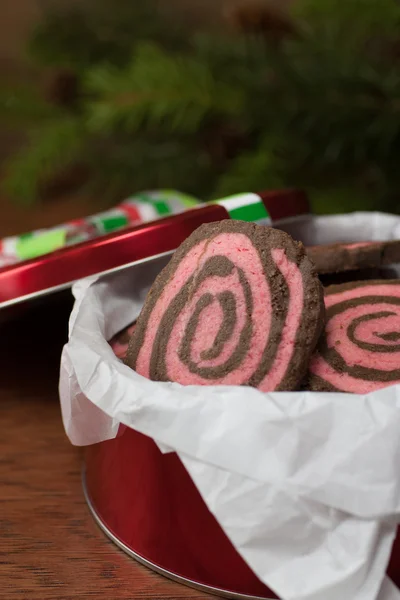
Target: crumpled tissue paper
(305, 485)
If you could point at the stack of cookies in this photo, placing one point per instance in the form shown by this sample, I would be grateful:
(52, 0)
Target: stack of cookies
(243, 304)
(359, 351)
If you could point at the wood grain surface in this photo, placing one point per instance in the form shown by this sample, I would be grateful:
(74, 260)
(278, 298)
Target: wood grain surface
(50, 548)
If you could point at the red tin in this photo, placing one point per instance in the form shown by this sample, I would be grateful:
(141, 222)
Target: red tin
(60, 269)
(147, 503)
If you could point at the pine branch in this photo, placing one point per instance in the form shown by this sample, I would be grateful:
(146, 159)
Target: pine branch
(124, 164)
(253, 170)
(98, 31)
(243, 63)
(172, 92)
(341, 199)
(337, 114)
(226, 54)
(64, 39)
(352, 20)
(319, 108)
(22, 105)
(51, 149)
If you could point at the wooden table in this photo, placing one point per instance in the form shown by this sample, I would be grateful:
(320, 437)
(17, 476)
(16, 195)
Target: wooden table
(50, 548)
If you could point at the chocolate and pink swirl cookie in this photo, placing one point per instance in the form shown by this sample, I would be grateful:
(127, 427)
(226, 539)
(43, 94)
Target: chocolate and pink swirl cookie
(360, 350)
(238, 304)
(120, 342)
(336, 258)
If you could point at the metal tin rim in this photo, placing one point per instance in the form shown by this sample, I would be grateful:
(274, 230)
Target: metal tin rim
(70, 283)
(144, 561)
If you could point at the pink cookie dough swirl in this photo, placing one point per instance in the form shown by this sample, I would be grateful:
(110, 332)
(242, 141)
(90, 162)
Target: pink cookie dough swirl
(360, 350)
(120, 342)
(239, 304)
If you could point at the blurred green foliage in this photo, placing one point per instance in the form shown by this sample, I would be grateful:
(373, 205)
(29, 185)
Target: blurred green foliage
(314, 103)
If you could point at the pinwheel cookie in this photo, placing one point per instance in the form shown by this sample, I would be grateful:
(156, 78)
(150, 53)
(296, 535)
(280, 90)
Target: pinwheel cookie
(238, 304)
(360, 349)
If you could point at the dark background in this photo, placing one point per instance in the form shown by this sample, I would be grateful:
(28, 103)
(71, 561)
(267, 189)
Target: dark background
(17, 19)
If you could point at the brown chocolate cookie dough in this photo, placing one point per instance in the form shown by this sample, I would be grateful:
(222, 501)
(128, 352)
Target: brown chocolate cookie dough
(337, 258)
(357, 275)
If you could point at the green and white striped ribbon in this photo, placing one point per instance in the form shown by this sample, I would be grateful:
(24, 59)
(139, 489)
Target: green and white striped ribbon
(30, 245)
(163, 203)
(150, 205)
(153, 205)
(246, 207)
(108, 221)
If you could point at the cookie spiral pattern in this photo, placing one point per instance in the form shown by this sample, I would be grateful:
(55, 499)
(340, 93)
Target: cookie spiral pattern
(239, 304)
(360, 350)
(120, 342)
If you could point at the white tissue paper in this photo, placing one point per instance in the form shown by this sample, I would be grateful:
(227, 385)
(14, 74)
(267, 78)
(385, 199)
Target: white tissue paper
(305, 485)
